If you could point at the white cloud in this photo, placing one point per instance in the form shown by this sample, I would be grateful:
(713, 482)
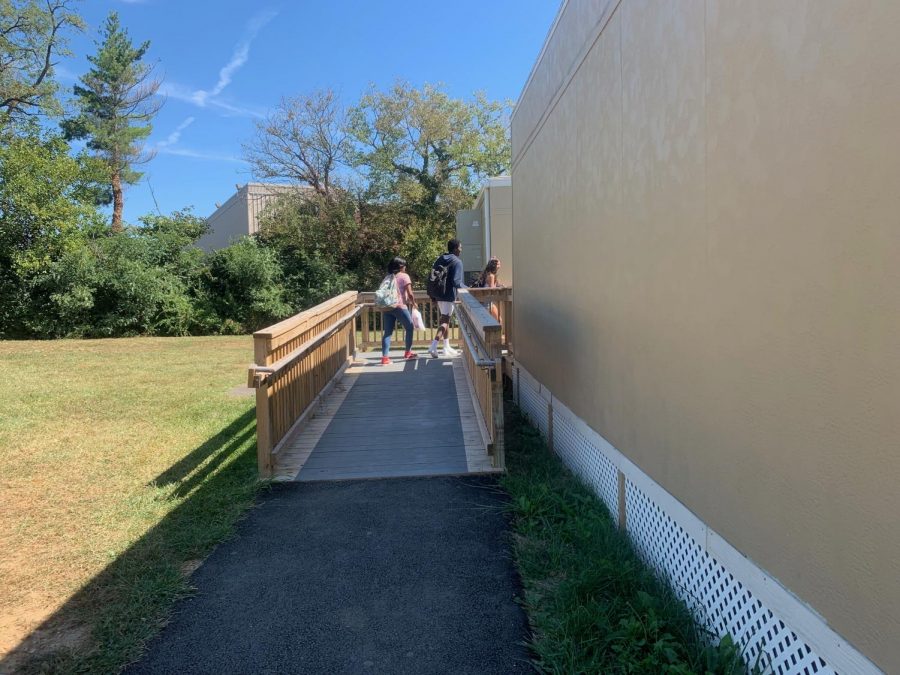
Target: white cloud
(236, 110)
(208, 97)
(181, 93)
(175, 136)
(168, 145)
(196, 154)
(177, 91)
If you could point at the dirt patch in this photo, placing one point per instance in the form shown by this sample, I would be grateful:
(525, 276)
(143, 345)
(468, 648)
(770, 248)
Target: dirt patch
(241, 392)
(26, 636)
(190, 566)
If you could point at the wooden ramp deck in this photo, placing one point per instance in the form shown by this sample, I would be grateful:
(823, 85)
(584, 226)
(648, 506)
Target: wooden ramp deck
(411, 418)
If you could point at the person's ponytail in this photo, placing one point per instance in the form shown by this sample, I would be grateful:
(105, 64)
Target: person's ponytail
(396, 265)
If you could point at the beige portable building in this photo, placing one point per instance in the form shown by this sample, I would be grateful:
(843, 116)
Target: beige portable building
(485, 230)
(239, 215)
(720, 359)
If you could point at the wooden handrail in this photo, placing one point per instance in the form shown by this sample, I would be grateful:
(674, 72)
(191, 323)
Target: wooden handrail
(482, 356)
(368, 297)
(296, 361)
(279, 329)
(496, 293)
(277, 340)
(420, 294)
(500, 302)
(260, 374)
(478, 351)
(481, 318)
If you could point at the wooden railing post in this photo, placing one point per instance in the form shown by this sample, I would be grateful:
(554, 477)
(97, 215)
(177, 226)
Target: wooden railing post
(499, 459)
(494, 348)
(351, 341)
(261, 350)
(508, 329)
(364, 323)
(263, 430)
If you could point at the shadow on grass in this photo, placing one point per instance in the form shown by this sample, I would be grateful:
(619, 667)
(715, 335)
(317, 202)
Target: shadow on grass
(106, 624)
(193, 459)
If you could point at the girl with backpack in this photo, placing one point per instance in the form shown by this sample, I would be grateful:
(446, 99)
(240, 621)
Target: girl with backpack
(405, 303)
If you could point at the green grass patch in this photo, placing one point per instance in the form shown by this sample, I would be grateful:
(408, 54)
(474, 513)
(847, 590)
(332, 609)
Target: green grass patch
(122, 464)
(593, 606)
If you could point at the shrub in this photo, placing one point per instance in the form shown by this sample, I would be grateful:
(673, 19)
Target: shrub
(244, 284)
(110, 286)
(46, 205)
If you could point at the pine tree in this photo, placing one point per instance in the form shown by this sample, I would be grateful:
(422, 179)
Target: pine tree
(116, 101)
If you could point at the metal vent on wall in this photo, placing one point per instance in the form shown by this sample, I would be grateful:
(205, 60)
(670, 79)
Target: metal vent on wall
(721, 603)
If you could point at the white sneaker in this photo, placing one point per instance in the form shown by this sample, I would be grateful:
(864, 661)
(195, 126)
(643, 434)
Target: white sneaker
(433, 352)
(450, 352)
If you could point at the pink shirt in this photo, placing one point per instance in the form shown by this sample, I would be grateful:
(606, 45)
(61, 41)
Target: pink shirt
(403, 282)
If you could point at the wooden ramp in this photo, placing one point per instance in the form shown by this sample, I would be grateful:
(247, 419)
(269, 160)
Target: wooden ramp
(411, 418)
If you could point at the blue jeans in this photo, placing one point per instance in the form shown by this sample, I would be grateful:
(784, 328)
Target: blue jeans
(391, 318)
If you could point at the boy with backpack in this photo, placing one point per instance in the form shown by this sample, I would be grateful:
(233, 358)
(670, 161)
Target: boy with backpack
(445, 278)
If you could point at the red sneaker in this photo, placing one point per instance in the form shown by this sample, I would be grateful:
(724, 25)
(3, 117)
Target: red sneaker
(385, 360)
(410, 355)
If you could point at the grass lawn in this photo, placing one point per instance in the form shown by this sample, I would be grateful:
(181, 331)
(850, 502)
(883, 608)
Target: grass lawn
(122, 462)
(594, 607)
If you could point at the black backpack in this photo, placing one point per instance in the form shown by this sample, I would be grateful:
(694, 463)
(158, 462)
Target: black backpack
(437, 280)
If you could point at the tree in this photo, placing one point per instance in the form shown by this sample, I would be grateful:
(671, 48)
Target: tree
(303, 141)
(317, 243)
(116, 103)
(32, 35)
(406, 159)
(421, 147)
(46, 209)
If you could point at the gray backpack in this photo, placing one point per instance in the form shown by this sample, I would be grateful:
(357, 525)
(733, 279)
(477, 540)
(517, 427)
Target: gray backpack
(387, 296)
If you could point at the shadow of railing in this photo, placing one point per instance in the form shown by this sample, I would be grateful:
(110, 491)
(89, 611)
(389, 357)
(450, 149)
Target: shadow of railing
(184, 488)
(193, 459)
(107, 622)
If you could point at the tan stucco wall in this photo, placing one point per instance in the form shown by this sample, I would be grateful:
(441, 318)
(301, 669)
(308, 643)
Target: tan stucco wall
(239, 215)
(470, 232)
(229, 222)
(501, 231)
(707, 255)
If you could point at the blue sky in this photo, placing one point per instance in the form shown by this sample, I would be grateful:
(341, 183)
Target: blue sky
(226, 63)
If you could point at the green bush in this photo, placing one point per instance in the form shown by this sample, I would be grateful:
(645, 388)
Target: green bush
(110, 286)
(422, 243)
(317, 246)
(243, 285)
(46, 206)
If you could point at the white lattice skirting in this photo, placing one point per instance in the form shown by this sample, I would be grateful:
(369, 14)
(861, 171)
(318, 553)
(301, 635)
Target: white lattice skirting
(727, 592)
